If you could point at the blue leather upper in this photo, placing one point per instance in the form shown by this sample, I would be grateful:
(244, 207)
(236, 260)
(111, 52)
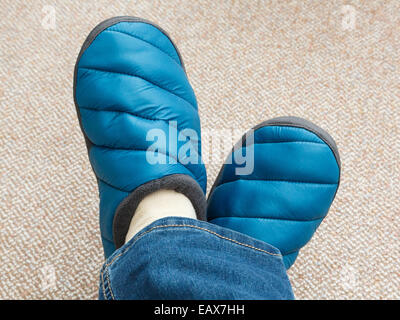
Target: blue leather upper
(130, 79)
(284, 200)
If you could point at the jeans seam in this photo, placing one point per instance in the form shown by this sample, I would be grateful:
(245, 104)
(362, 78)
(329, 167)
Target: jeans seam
(102, 284)
(190, 226)
(106, 285)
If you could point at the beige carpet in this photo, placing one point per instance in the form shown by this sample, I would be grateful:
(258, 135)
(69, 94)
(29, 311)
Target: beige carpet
(248, 61)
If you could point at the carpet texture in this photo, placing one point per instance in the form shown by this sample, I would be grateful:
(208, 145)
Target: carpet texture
(335, 63)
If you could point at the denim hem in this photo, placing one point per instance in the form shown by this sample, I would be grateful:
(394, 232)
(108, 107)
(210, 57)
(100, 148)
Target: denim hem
(235, 238)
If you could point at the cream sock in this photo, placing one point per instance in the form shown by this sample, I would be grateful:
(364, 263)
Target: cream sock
(157, 205)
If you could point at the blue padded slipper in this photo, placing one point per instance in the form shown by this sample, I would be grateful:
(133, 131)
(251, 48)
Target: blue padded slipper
(130, 87)
(295, 177)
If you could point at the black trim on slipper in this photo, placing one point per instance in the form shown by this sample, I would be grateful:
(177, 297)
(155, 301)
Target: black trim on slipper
(179, 182)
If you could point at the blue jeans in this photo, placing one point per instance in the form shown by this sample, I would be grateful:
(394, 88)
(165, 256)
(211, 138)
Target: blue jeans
(181, 258)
